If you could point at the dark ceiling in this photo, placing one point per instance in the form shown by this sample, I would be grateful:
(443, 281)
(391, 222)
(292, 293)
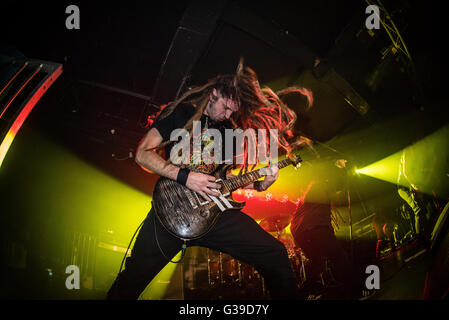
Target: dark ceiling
(127, 59)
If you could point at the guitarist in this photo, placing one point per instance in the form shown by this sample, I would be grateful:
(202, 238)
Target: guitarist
(225, 101)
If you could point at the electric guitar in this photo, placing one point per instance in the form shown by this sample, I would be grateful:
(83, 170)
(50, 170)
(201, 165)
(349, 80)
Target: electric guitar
(187, 215)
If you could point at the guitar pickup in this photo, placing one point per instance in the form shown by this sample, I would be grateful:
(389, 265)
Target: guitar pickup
(202, 203)
(191, 199)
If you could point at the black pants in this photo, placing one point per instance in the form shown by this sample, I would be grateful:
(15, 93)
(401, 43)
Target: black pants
(235, 234)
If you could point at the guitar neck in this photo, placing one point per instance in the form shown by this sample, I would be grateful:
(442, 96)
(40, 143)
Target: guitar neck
(248, 178)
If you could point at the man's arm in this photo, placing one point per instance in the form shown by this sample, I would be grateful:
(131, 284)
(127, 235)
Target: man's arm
(150, 160)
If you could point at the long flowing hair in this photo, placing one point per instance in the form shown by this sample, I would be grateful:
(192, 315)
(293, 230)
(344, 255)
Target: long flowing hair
(259, 108)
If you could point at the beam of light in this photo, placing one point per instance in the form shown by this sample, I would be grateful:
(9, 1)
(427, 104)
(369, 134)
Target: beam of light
(385, 169)
(164, 282)
(60, 193)
(426, 164)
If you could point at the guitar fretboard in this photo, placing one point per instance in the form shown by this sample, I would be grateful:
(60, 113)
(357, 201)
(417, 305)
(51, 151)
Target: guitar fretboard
(248, 178)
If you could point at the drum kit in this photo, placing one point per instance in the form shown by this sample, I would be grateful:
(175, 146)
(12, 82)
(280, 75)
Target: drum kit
(228, 278)
(276, 225)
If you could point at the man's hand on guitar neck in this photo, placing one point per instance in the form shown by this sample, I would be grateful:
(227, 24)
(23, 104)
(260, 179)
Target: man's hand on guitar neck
(270, 178)
(202, 184)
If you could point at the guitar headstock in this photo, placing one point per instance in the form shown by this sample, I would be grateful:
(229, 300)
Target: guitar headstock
(296, 160)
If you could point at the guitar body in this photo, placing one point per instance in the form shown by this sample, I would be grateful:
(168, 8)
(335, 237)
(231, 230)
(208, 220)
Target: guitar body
(184, 213)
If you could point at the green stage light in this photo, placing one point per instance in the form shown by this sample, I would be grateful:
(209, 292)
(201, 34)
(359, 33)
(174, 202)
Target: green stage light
(423, 162)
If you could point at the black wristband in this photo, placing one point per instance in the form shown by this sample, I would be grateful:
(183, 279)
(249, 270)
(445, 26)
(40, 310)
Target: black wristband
(258, 186)
(183, 174)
